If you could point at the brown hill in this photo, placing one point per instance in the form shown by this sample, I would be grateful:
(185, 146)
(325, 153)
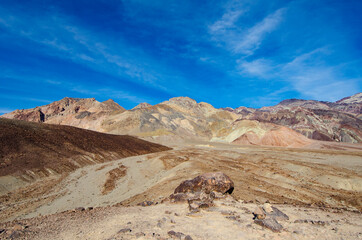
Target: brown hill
(85, 113)
(34, 150)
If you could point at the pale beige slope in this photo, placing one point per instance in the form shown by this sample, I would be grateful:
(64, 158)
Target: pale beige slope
(248, 132)
(180, 117)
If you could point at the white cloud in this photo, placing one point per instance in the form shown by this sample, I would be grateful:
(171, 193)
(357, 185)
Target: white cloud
(306, 74)
(252, 39)
(260, 67)
(227, 21)
(230, 32)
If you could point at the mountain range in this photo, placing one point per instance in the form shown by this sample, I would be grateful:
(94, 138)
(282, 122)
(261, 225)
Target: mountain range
(291, 123)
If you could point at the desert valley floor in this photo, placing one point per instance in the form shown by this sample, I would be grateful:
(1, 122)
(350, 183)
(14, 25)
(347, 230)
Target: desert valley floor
(319, 189)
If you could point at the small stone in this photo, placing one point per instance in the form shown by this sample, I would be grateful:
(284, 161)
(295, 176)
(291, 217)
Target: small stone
(177, 235)
(267, 208)
(140, 234)
(269, 223)
(188, 237)
(146, 203)
(18, 227)
(80, 209)
(125, 230)
(167, 212)
(259, 213)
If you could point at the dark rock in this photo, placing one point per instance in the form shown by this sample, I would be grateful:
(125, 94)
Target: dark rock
(125, 230)
(207, 182)
(80, 209)
(179, 197)
(175, 235)
(197, 204)
(277, 214)
(319, 222)
(269, 223)
(146, 203)
(188, 237)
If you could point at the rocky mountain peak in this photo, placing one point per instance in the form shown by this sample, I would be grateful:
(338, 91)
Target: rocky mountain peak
(142, 105)
(357, 98)
(185, 102)
(291, 101)
(113, 105)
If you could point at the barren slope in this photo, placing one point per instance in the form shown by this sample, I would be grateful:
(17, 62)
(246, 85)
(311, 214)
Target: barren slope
(33, 150)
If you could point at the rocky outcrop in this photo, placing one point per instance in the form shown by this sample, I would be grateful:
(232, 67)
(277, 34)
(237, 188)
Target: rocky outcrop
(142, 105)
(202, 190)
(207, 182)
(80, 112)
(268, 217)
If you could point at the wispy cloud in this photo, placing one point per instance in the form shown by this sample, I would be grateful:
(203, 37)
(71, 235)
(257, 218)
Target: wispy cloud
(69, 41)
(227, 22)
(306, 74)
(251, 40)
(229, 31)
(261, 67)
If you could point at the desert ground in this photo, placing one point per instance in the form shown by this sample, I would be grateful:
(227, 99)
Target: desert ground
(309, 185)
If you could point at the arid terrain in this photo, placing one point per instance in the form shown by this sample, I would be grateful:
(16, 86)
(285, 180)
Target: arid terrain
(318, 185)
(62, 182)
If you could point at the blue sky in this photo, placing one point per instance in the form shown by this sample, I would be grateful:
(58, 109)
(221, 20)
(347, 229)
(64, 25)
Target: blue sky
(228, 53)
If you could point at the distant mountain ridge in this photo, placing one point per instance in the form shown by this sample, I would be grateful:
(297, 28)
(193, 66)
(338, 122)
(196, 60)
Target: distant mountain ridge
(184, 118)
(339, 121)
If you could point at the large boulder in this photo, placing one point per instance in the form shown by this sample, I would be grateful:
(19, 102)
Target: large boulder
(207, 182)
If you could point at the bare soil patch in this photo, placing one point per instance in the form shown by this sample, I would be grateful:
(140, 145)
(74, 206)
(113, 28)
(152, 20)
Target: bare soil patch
(113, 176)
